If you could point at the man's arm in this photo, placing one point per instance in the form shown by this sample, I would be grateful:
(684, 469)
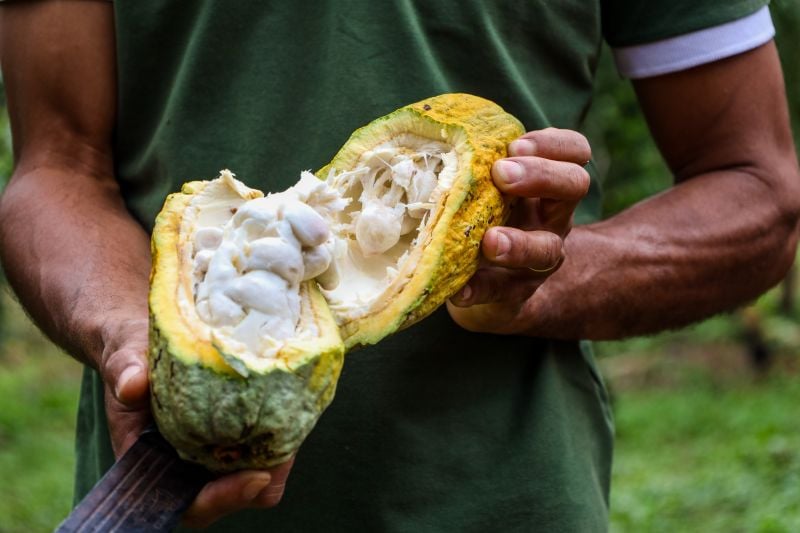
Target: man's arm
(723, 234)
(76, 258)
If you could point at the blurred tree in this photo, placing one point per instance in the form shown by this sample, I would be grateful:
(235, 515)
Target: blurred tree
(786, 14)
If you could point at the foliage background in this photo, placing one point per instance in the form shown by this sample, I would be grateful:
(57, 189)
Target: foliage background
(707, 440)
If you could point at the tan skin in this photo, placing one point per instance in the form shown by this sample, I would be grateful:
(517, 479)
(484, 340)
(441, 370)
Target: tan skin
(722, 235)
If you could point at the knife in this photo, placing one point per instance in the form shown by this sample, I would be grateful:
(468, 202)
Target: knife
(147, 489)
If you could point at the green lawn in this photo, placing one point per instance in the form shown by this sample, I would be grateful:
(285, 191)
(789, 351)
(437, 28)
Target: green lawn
(702, 445)
(705, 448)
(38, 387)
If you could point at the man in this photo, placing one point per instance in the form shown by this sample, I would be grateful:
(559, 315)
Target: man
(470, 420)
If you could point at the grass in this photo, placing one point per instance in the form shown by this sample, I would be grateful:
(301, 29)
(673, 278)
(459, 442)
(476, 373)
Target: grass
(705, 442)
(39, 386)
(702, 443)
(700, 452)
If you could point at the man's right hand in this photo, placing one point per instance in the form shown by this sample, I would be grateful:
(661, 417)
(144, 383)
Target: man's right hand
(124, 372)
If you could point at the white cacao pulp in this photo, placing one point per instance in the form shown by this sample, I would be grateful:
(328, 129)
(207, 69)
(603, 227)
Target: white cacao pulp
(354, 233)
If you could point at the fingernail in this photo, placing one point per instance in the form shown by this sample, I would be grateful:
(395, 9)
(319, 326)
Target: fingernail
(509, 171)
(465, 293)
(254, 488)
(502, 246)
(522, 147)
(125, 377)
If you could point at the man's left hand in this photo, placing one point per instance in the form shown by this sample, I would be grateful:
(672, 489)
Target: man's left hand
(545, 177)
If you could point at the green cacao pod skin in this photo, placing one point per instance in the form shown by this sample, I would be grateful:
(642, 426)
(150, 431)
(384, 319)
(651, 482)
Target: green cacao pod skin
(229, 406)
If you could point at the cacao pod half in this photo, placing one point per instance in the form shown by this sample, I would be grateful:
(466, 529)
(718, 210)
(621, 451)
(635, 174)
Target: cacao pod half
(255, 299)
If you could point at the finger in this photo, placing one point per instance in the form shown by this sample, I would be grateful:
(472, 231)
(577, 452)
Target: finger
(226, 495)
(553, 143)
(543, 214)
(537, 177)
(514, 248)
(272, 494)
(556, 216)
(497, 284)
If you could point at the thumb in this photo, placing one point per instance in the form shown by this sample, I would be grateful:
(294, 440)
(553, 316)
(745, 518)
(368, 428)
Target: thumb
(123, 367)
(125, 373)
(126, 397)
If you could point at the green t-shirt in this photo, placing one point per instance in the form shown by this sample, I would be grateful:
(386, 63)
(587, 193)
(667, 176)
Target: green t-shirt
(436, 428)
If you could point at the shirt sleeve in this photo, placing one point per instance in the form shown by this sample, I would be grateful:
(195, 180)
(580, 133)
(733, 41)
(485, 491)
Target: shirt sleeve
(695, 48)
